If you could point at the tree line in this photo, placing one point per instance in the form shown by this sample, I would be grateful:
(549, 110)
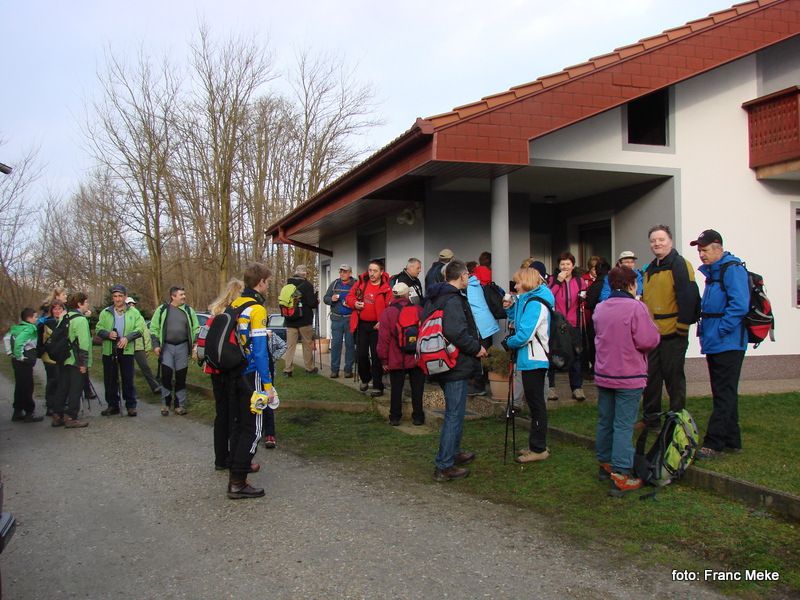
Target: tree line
(190, 166)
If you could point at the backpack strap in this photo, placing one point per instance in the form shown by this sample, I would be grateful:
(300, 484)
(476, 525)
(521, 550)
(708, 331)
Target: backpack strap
(536, 335)
(722, 269)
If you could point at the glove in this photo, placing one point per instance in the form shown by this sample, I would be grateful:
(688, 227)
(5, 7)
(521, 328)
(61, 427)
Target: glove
(258, 402)
(504, 344)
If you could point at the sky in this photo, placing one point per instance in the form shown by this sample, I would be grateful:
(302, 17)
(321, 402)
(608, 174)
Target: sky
(422, 57)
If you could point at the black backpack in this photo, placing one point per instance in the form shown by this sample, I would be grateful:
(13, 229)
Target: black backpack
(494, 299)
(223, 351)
(58, 346)
(563, 343)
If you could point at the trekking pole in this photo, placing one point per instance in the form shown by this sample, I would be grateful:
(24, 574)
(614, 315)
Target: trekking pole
(317, 334)
(117, 368)
(510, 413)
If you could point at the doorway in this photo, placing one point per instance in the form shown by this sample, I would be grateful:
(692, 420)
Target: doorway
(594, 239)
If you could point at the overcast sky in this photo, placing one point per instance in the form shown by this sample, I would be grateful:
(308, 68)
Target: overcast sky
(423, 58)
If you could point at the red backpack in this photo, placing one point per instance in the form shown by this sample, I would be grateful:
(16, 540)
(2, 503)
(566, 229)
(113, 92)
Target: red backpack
(435, 354)
(408, 329)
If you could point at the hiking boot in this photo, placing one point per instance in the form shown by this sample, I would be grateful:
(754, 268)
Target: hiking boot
(109, 411)
(180, 410)
(363, 387)
(287, 373)
(269, 442)
(577, 394)
(313, 371)
(221, 467)
(475, 391)
(376, 393)
(464, 458)
(18, 416)
(528, 456)
(394, 422)
(132, 412)
(732, 450)
(238, 490)
(622, 483)
(348, 374)
(32, 418)
(706, 453)
(165, 412)
(454, 472)
(58, 421)
(418, 422)
(604, 471)
(552, 395)
(70, 423)
(334, 374)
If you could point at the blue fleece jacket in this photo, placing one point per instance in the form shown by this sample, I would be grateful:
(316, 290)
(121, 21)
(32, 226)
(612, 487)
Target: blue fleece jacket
(487, 324)
(723, 310)
(531, 338)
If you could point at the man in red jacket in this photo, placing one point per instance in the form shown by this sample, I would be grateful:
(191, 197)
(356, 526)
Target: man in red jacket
(398, 327)
(369, 298)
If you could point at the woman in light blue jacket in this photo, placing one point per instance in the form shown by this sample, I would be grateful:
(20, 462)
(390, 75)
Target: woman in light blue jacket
(530, 343)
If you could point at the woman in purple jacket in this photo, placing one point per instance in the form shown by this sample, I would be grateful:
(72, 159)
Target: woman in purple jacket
(624, 334)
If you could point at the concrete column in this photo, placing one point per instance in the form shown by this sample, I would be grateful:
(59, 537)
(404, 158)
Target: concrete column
(501, 268)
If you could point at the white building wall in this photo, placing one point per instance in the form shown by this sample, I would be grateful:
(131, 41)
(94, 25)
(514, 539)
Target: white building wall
(715, 187)
(344, 251)
(404, 241)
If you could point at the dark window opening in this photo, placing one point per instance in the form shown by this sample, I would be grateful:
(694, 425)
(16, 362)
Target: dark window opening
(647, 119)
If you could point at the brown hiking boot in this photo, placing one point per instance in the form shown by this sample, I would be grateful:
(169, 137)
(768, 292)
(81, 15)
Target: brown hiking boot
(58, 421)
(238, 490)
(70, 423)
(464, 458)
(449, 474)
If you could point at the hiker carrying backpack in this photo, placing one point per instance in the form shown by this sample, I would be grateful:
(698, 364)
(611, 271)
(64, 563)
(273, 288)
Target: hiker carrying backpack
(672, 452)
(290, 301)
(564, 340)
(221, 348)
(58, 345)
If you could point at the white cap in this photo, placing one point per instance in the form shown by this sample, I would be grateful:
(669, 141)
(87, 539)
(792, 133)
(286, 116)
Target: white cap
(130, 300)
(627, 254)
(400, 289)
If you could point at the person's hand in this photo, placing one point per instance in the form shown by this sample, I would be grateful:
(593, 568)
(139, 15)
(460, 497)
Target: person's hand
(359, 305)
(507, 303)
(157, 351)
(113, 335)
(562, 275)
(376, 325)
(122, 343)
(82, 370)
(335, 297)
(482, 353)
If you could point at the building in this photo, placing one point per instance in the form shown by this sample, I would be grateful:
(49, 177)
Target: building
(696, 127)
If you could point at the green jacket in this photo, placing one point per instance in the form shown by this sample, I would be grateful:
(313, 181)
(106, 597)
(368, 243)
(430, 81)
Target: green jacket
(80, 340)
(23, 346)
(135, 328)
(159, 321)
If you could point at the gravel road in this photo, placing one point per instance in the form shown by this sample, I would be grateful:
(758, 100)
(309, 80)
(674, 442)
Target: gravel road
(132, 508)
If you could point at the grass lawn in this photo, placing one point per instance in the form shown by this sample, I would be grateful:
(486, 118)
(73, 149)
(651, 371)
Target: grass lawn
(769, 426)
(685, 528)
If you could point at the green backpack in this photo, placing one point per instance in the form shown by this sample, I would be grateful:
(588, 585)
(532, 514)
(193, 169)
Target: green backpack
(671, 454)
(289, 302)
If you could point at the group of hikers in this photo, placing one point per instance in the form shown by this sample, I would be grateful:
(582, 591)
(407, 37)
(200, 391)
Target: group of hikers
(630, 325)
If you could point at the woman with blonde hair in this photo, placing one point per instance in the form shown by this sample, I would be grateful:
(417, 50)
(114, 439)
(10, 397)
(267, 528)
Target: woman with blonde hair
(530, 314)
(233, 289)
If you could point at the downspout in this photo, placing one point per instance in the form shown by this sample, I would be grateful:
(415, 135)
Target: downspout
(281, 238)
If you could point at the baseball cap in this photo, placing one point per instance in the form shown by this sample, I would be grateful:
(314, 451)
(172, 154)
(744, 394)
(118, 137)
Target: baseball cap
(130, 300)
(344, 267)
(709, 236)
(539, 266)
(627, 254)
(446, 254)
(400, 289)
(119, 288)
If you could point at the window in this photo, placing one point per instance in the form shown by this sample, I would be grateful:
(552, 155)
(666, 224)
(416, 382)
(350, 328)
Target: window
(648, 119)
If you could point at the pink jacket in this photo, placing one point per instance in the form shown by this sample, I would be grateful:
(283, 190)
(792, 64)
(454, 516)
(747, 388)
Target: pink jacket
(566, 295)
(624, 335)
(389, 350)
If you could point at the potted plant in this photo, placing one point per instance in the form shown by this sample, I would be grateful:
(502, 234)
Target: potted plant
(497, 362)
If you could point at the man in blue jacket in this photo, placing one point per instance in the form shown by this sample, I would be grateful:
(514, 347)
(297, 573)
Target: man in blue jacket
(723, 339)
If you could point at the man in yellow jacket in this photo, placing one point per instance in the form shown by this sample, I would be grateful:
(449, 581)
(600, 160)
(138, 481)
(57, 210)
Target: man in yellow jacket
(671, 295)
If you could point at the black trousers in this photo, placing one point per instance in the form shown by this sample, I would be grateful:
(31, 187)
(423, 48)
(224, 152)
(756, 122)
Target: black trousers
(417, 379)
(533, 384)
(665, 366)
(70, 388)
(115, 367)
(245, 428)
(723, 424)
(369, 365)
(23, 386)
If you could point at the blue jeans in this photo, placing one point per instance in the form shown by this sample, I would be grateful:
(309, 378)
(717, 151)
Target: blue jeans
(616, 413)
(340, 332)
(455, 405)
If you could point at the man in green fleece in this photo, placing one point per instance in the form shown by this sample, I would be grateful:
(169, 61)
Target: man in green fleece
(23, 357)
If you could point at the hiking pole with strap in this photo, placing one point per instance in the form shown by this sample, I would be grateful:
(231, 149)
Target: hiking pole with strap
(117, 368)
(510, 414)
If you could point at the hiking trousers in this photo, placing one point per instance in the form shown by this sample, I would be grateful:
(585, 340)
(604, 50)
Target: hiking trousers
(23, 386)
(723, 430)
(665, 367)
(306, 337)
(245, 426)
(533, 384)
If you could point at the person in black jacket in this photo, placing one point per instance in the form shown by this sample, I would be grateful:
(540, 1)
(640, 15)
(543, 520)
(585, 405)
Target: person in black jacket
(301, 326)
(410, 276)
(459, 328)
